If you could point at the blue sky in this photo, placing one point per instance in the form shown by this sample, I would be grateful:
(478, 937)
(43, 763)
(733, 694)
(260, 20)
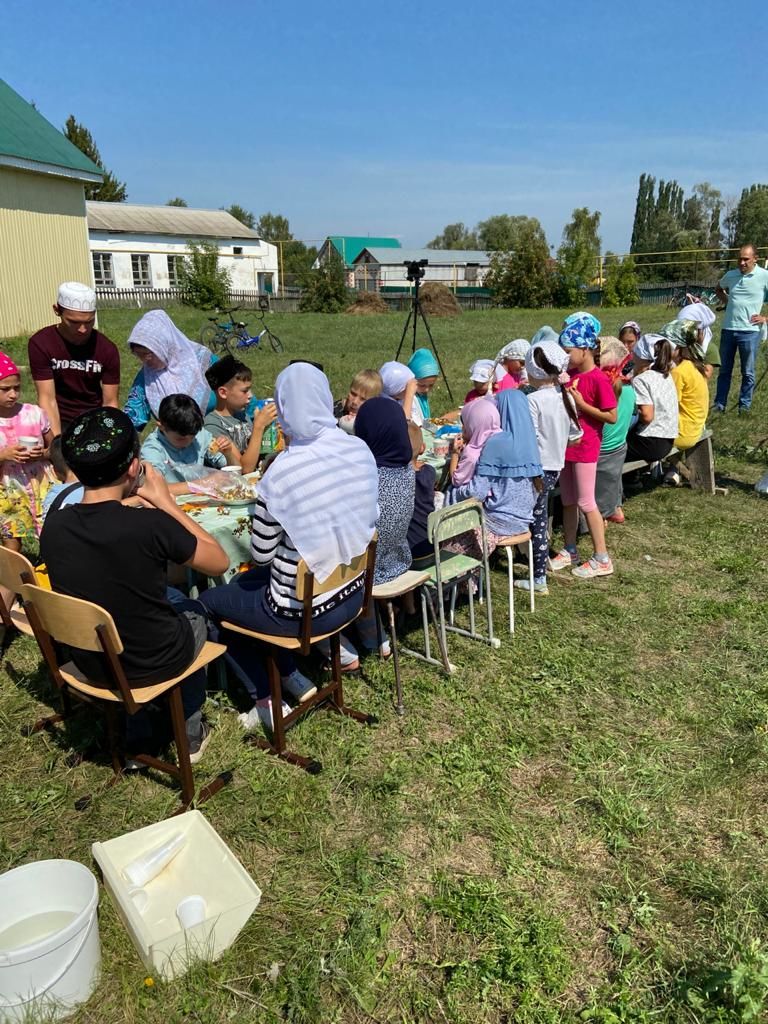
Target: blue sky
(395, 118)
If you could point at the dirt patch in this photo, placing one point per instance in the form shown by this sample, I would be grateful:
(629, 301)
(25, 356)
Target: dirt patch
(438, 300)
(368, 304)
(472, 856)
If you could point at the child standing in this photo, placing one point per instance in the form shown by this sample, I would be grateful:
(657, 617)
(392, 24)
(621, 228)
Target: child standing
(25, 472)
(614, 359)
(554, 417)
(483, 374)
(180, 448)
(512, 358)
(596, 405)
(230, 381)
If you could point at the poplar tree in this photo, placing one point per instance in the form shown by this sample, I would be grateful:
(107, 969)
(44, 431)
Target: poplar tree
(110, 190)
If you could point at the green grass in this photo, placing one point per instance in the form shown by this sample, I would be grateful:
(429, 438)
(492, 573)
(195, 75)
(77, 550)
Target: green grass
(571, 828)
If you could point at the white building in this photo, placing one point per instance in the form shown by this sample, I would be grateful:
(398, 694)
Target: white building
(140, 247)
(383, 269)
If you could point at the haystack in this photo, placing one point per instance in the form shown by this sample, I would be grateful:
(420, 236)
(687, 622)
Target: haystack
(368, 303)
(438, 300)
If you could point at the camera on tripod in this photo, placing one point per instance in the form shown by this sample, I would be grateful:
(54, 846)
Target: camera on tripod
(415, 269)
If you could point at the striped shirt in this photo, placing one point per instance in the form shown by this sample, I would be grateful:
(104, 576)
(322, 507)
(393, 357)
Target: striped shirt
(271, 545)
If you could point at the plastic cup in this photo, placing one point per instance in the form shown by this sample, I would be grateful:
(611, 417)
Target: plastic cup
(191, 911)
(232, 469)
(29, 442)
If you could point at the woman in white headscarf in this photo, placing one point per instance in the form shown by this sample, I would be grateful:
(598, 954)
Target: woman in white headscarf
(400, 383)
(317, 501)
(171, 365)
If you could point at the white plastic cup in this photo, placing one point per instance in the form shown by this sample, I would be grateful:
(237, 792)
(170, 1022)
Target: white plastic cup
(232, 469)
(30, 442)
(191, 911)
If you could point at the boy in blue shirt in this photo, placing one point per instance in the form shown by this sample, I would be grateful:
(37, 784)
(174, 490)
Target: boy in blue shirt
(180, 448)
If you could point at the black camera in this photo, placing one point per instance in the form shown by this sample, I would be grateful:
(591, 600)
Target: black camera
(415, 269)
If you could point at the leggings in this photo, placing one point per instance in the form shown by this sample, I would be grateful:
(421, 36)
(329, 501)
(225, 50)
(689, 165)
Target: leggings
(540, 525)
(577, 485)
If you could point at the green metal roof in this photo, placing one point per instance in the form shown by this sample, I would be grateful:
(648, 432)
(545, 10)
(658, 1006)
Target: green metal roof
(25, 135)
(349, 247)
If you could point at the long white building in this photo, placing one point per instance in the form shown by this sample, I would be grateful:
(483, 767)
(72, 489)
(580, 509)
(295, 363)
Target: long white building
(138, 247)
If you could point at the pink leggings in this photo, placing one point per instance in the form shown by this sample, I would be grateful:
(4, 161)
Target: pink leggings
(577, 485)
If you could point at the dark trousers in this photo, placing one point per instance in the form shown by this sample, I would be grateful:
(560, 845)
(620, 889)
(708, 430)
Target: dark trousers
(244, 601)
(540, 524)
(649, 449)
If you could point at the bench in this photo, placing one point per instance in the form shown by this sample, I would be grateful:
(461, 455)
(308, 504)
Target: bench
(696, 464)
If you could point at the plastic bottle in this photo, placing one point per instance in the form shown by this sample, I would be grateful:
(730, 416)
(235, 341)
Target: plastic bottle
(149, 865)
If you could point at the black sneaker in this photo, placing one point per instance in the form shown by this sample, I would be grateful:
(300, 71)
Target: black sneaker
(197, 754)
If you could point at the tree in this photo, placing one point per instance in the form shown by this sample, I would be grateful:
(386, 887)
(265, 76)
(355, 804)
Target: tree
(273, 227)
(454, 236)
(297, 258)
(178, 201)
(110, 190)
(751, 219)
(203, 282)
(501, 232)
(621, 286)
(578, 256)
(240, 213)
(326, 288)
(522, 277)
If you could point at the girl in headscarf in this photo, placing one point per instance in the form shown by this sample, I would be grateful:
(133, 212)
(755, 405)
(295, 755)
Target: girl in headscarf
(656, 398)
(554, 419)
(498, 463)
(689, 375)
(172, 365)
(317, 501)
(704, 317)
(426, 370)
(400, 384)
(512, 358)
(485, 374)
(596, 405)
(629, 334)
(614, 361)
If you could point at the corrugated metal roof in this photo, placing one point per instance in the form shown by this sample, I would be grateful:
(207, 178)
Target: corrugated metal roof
(435, 256)
(349, 247)
(165, 220)
(26, 135)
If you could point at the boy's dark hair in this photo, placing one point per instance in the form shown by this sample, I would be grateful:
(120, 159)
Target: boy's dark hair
(56, 458)
(181, 414)
(220, 373)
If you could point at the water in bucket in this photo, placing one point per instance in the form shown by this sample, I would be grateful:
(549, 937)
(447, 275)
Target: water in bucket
(34, 928)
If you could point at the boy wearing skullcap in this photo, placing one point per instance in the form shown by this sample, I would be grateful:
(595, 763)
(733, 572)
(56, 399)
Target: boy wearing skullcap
(75, 367)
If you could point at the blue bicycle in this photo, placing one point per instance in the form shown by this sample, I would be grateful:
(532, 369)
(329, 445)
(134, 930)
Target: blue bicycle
(224, 337)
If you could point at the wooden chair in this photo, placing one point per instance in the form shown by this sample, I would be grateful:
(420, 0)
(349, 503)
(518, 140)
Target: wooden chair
(60, 620)
(307, 588)
(15, 571)
(509, 544)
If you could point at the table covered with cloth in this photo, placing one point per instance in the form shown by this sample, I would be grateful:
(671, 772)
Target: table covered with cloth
(230, 525)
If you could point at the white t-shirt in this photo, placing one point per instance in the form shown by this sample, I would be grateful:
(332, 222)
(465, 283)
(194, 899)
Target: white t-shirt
(653, 388)
(552, 424)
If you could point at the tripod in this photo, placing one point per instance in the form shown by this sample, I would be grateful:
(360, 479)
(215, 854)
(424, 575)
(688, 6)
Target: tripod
(415, 274)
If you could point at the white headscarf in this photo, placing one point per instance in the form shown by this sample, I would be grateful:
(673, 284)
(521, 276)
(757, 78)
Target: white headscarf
(555, 355)
(185, 361)
(394, 378)
(482, 370)
(645, 349)
(514, 349)
(703, 316)
(323, 489)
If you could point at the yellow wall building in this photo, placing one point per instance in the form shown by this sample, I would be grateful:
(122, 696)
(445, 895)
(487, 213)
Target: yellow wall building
(43, 226)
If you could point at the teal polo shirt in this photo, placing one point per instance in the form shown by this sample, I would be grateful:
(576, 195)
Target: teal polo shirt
(746, 295)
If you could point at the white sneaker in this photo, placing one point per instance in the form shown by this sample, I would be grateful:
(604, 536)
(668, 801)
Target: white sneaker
(261, 714)
(299, 686)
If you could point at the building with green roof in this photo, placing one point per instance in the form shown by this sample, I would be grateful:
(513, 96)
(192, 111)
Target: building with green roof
(349, 247)
(43, 226)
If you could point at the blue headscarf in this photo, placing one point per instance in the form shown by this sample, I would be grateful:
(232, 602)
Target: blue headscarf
(514, 452)
(381, 423)
(423, 364)
(582, 315)
(580, 333)
(545, 333)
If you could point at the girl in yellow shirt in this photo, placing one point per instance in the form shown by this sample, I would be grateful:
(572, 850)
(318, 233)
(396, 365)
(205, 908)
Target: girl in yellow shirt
(690, 377)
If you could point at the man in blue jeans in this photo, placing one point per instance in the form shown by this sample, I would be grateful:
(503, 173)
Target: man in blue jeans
(745, 290)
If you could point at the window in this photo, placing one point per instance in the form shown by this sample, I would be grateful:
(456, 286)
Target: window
(140, 268)
(237, 250)
(102, 270)
(175, 264)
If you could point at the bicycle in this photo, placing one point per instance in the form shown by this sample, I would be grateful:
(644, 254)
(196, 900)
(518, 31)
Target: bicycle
(219, 337)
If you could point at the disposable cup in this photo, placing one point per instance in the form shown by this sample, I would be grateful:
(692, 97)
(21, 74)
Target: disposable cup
(191, 911)
(232, 469)
(29, 442)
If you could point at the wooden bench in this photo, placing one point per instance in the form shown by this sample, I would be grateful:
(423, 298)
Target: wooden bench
(696, 464)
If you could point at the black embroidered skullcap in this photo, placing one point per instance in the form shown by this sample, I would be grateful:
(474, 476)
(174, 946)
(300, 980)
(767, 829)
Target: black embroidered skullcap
(222, 371)
(99, 446)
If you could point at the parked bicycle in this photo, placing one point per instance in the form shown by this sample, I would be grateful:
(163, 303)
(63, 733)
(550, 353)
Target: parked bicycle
(223, 337)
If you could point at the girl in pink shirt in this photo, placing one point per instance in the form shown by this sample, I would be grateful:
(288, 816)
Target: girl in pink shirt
(512, 358)
(596, 404)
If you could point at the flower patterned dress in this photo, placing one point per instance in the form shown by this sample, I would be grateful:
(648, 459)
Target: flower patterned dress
(24, 484)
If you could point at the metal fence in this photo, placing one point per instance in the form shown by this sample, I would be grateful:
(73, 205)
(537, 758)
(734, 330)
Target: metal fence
(161, 298)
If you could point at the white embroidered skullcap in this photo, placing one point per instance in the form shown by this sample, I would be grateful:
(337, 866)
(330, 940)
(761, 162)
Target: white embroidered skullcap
(73, 295)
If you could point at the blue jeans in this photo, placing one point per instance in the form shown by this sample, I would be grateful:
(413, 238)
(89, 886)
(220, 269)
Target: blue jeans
(746, 343)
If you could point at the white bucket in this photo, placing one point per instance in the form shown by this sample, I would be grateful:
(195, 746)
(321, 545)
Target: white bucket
(49, 939)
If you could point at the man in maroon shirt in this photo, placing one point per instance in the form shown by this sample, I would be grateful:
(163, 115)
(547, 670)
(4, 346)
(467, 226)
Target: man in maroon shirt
(75, 367)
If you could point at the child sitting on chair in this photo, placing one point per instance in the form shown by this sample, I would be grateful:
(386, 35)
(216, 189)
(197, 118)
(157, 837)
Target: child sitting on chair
(230, 382)
(69, 490)
(180, 448)
(365, 384)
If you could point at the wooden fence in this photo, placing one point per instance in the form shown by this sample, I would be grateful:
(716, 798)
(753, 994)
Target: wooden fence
(161, 298)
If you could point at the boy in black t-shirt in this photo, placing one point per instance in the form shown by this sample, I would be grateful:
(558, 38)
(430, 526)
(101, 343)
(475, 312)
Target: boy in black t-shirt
(117, 556)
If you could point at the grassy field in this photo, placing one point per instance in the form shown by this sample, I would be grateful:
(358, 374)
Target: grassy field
(571, 828)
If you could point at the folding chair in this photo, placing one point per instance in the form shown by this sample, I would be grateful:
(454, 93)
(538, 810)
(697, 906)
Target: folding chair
(307, 589)
(60, 620)
(509, 544)
(15, 571)
(452, 569)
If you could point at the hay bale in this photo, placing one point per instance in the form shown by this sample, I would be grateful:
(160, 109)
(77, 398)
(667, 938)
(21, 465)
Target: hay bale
(368, 304)
(438, 300)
